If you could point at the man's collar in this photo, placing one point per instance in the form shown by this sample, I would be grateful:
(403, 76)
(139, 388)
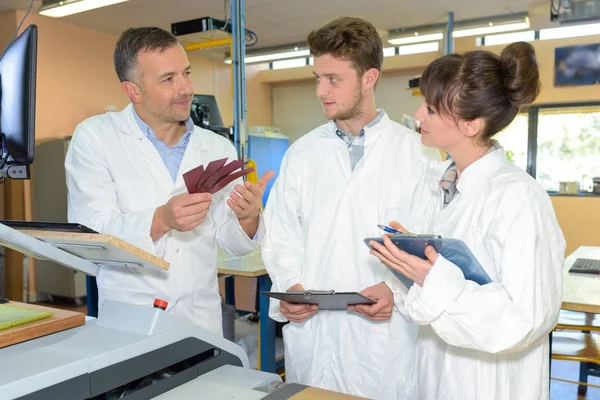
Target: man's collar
(375, 121)
(148, 131)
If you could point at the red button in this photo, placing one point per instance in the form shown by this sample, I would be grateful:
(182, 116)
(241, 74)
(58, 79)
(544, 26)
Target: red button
(158, 303)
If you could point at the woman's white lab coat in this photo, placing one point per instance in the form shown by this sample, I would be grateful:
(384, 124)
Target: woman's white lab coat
(488, 342)
(317, 215)
(116, 179)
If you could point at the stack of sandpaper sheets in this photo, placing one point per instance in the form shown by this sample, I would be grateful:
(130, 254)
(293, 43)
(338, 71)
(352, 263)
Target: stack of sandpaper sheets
(215, 176)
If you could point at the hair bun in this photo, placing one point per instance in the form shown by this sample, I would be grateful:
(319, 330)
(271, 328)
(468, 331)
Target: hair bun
(521, 73)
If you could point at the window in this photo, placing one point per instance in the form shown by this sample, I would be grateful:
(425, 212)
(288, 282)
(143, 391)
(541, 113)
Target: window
(389, 51)
(568, 145)
(514, 140)
(491, 40)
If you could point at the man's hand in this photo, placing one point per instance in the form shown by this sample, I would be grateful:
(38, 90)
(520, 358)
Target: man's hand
(380, 311)
(183, 212)
(297, 312)
(245, 202)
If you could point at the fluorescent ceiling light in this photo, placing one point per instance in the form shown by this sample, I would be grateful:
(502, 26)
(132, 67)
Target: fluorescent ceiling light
(416, 38)
(278, 56)
(570, 31)
(57, 9)
(274, 56)
(418, 48)
(492, 28)
(504, 38)
(291, 63)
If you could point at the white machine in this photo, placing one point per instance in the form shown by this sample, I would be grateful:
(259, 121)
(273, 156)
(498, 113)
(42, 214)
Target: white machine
(130, 351)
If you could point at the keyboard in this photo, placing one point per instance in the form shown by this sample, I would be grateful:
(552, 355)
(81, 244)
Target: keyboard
(586, 266)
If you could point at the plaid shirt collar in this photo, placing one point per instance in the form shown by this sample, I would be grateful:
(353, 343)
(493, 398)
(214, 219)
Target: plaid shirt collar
(449, 180)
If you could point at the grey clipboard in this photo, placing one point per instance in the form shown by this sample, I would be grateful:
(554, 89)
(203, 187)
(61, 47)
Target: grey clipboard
(327, 300)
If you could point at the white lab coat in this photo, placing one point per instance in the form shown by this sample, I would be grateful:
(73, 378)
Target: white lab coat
(318, 213)
(488, 342)
(116, 179)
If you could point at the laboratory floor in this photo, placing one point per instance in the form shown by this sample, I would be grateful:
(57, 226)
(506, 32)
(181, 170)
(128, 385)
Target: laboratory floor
(246, 334)
(568, 391)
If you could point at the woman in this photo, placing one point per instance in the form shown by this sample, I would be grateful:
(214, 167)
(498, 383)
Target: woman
(491, 341)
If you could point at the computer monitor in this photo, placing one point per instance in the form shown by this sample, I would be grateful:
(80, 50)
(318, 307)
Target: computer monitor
(17, 105)
(205, 111)
(205, 114)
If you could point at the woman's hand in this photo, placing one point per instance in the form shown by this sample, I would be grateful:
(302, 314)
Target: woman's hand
(398, 226)
(413, 267)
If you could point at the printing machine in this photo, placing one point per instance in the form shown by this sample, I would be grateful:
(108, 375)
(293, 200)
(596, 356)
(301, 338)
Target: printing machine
(131, 352)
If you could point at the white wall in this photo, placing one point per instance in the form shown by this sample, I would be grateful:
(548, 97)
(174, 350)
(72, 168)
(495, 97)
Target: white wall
(297, 110)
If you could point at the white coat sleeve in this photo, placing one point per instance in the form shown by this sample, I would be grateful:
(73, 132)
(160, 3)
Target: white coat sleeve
(527, 246)
(92, 194)
(230, 235)
(398, 290)
(283, 247)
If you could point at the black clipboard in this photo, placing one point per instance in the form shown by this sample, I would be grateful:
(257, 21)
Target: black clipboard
(326, 299)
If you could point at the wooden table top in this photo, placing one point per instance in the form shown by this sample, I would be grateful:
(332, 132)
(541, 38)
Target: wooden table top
(581, 292)
(251, 266)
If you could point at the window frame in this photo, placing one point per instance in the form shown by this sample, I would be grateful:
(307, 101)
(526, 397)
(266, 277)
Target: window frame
(532, 139)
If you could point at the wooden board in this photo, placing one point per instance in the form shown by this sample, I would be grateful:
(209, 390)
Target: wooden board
(312, 393)
(99, 247)
(60, 321)
(581, 292)
(11, 316)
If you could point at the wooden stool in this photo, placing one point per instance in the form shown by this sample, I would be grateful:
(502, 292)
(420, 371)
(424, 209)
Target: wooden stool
(580, 346)
(578, 321)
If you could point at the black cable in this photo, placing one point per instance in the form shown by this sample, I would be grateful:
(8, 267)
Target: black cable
(18, 28)
(227, 17)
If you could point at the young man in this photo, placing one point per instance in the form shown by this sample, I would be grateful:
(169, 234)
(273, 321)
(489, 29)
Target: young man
(124, 175)
(336, 184)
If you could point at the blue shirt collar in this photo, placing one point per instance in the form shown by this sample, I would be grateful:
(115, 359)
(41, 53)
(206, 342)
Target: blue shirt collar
(189, 127)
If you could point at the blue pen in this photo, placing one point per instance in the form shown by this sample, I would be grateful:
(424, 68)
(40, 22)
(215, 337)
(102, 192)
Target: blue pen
(389, 230)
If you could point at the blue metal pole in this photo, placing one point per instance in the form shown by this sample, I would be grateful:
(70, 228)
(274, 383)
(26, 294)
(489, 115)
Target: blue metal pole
(449, 41)
(239, 76)
(267, 327)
